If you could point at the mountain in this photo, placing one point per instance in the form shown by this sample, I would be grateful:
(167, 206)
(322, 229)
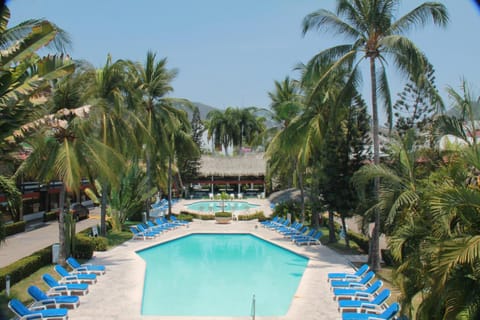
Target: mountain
(203, 108)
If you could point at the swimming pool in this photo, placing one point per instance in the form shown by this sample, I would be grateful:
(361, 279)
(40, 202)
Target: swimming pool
(218, 274)
(212, 206)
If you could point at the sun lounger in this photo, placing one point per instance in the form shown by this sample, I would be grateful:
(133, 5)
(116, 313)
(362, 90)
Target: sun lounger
(40, 312)
(349, 276)
(310, 233)
(175, 220)
(315, 239)
(85, 267)
(41, 298)
(138, 235)
(66, 288)
(361, 284)
(68, 277)
(377, 303)
(358, 294)
(387, 314)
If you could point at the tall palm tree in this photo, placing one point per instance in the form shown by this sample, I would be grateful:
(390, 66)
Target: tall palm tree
(64, 149)
(150, 83)
(376, 37)
(218, 130)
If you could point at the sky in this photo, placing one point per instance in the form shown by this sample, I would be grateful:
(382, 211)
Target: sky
(229, 53)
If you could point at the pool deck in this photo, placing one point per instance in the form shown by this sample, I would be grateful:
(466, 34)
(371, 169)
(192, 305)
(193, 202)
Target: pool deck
(118, 293)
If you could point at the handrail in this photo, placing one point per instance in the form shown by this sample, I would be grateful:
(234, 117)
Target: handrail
(253, 308)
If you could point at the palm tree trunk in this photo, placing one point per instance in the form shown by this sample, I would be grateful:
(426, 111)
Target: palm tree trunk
(331, 227)
(374, 253)
(61, 228)
(344, 226)
(169, 185)
(302, 196)
(103, 211)
(149, 185)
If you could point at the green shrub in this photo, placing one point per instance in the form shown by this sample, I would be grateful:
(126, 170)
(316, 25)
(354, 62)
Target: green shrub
(50, 216)
(84, 247)
(100, 243)
(360, 240)
(14, 228)
(222, 214)
(257, 215)
(26, 266)
(185, 217)
(387, 257)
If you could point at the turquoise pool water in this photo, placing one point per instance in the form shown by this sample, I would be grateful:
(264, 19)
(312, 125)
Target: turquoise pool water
(218, 274)
(212, 206)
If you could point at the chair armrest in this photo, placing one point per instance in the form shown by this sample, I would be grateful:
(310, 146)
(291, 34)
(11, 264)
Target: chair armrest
(45, 302)
(362, 295)
(38, 307)
(31, 316)
(70, 279)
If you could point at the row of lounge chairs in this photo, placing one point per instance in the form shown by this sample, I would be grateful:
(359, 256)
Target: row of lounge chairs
(296, 232)
(151, 230)
(360, 297)
(63, 293)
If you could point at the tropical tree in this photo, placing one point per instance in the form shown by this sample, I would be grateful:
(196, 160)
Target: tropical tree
(64, 150)
(376, 37)
(149, 84)
(218, 130)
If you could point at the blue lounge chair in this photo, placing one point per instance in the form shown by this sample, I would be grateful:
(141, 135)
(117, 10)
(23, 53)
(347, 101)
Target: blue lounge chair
(66, 288)
(41, 313)
(388, 314)
(161, 222)
(138, 235)
(315, 239)
(300, 231)
(360, 284)
(85, 268)
(310, 233)
(267, 222)
(68, 277)
(376, 304)
(41, 298)
(349, 276)
(152, 227)
(174, 219)
(356, 294)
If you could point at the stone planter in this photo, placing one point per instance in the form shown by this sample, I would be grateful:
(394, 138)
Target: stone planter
(223, 220)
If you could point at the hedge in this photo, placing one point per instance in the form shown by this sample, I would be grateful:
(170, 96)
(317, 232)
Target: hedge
(360, 240)
(14, 228)
(257, 215)
(84, 246)
(24, 267)
(50, 216)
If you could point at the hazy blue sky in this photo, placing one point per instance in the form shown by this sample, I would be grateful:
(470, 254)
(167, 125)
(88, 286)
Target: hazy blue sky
(229, 53)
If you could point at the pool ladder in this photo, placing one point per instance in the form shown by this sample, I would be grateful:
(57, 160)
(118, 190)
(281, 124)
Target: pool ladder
(253, 307)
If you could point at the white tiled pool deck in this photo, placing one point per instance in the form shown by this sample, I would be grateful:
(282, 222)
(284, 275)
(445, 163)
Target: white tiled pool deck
(118, 293)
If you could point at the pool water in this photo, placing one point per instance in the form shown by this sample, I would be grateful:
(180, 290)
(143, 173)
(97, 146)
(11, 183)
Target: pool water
(213, 206)
(218, 274)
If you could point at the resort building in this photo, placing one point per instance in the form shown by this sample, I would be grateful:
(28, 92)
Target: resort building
(237, 175)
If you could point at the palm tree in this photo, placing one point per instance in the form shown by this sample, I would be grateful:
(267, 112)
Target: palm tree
(63, 149)
(376, 38)
(218, 130)
(159, 116)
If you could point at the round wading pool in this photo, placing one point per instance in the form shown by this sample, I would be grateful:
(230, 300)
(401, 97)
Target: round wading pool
(213, 206)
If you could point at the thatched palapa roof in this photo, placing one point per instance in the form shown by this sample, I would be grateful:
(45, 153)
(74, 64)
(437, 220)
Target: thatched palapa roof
(251, 164)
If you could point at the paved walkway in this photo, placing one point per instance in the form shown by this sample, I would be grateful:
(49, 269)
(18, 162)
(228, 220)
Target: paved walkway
(23, 244)
(118, 293)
